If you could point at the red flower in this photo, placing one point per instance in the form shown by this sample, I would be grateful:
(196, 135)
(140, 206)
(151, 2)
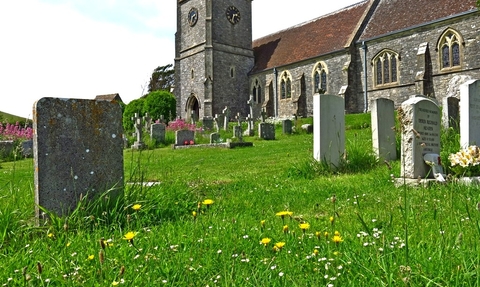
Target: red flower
(192, 142)
(185, 142)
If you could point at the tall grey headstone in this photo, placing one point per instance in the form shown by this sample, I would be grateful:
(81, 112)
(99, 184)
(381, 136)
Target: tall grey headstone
(451, 113)
(383, 129)
(420, 124)
(328, 128)
(470, 113)
(157, 132)
(226, 117)
(78, 152)
(287, 126)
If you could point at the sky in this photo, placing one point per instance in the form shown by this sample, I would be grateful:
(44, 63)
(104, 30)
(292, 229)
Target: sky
(84, 48)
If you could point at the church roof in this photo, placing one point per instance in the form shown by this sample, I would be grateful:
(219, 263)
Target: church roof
(109, 97)
(326, 34)
(395, 15)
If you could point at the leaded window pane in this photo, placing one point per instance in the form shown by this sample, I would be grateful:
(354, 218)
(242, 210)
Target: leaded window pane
(282, 89)
(445, 56)
(323, 84)
(289, 88)
(456, 54)
(316, 80)
(386, 71)
(394, 69)
(254, 93)
(379, 72)
(259, 95)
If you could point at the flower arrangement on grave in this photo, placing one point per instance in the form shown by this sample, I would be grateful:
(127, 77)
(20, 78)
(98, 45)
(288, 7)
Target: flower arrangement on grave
(466, 162)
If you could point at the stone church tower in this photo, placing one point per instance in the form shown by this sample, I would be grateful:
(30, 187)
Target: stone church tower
(213, 57)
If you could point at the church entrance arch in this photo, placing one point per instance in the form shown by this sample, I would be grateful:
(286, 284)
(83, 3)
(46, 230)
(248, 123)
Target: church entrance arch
(192, 108)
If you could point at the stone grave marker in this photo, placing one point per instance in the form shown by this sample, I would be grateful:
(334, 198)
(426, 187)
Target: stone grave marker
(266, 131)
(78, 152)
(470, 113)
(214, 138)
(184, 137)
(328, 128)
(148, 121)
(287, 126)
(226, 118)
(383, 129)
(138, 144)
(207, 123)
(237, 130)
(157, 132)
(451, 113)
(250, 129)
(420, 122)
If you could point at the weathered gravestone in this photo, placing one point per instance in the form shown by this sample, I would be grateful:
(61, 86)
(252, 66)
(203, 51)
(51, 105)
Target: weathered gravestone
(470, 113)
(328, 128)
(237, 130)
(420, 125)
(6, 148)
(451, 113)
(287, 126)
(138, 144)
(383, 129)
(266, 131)
(78, 152)
(214, 138)
(157, 132)
(184, 137)
(226, 117)
(207, 123)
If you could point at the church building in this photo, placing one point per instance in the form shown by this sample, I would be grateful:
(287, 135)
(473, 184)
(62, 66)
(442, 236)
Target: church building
(373, 49)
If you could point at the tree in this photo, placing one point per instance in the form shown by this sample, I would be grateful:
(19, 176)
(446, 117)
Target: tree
(135, 106)
(162, 78)
(160, 103)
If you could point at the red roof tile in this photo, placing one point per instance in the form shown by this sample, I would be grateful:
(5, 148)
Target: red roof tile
(323, 35)
(395, 15)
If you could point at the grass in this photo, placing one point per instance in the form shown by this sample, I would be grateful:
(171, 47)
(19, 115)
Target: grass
(386, 236)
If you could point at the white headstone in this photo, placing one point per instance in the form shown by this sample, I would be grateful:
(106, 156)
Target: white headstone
(420, 123)
(328, 128)
(383, 129)
(470, 113)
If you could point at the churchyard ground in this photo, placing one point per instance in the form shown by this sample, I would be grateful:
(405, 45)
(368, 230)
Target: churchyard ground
(266, 215)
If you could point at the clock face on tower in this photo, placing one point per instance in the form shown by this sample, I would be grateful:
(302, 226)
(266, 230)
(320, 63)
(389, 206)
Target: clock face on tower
(192, 16)
(233, 15)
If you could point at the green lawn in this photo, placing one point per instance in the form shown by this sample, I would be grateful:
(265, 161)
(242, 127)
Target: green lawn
(385, 235)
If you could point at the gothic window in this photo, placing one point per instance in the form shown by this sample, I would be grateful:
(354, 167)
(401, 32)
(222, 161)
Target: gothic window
(285, 86)
(385, 65)
(449, 49)
(320, 78)
(257, 91)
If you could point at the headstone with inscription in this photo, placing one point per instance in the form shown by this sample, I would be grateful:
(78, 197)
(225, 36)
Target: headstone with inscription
(157, 132)
(266, 131)
(420, 122)
(328, 128)
(470, 113)
(78, 152)
(383, 129)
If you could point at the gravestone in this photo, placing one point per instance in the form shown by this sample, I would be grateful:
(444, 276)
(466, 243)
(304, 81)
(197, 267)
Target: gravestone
(226, 117)
(157, 132)
(287, 126)
(78, 152)
(451, 113)
(250, 129)
(27, 148)
(470, 113)
(237, 130)
(266, 131)
(138, 144)
(6, 148)
(207, 123)
(328, 128)
(383, 129)
(214, 138)
(420, 125)
(184, 137)
(148, 121)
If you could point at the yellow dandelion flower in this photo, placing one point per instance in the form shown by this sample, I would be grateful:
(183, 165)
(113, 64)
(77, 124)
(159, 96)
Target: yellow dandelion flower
(326, 234)
(194, 213)
(69, 243)
(207, 202)
(332, 219)
(337, 233)
(115, 283)
(304, 226)
(50, 235)
(279, 245)
(318, 234)
(262, 223)
(130, 235)
(136, 207)
(337, 239)
(90, 257)
(315, 252)
(265, 241)
(336, 253)
(285, 229)
(282, 214)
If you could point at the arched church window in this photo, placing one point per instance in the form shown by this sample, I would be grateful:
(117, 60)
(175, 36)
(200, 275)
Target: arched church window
(257, 91)
(385, 66)
(449, 49)
(320, 78)
(285, 86)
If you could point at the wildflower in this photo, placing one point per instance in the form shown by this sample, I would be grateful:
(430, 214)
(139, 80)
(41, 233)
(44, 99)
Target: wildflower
(136, 207)
(304, 226)
(285, 229)
(279, 245)
(115, 283)
(337, 239)
(50, 235)
(265, 241)
(262, 224)
(315, 252)
(282, 214)
(207, 202)
(129, 236)
(332, 219)
(90, 257)
(194, 213)
(326, 234)
(281, 274)
(318, 234)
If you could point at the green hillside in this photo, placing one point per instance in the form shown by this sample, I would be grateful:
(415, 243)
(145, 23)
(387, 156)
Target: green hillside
(9, 118)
